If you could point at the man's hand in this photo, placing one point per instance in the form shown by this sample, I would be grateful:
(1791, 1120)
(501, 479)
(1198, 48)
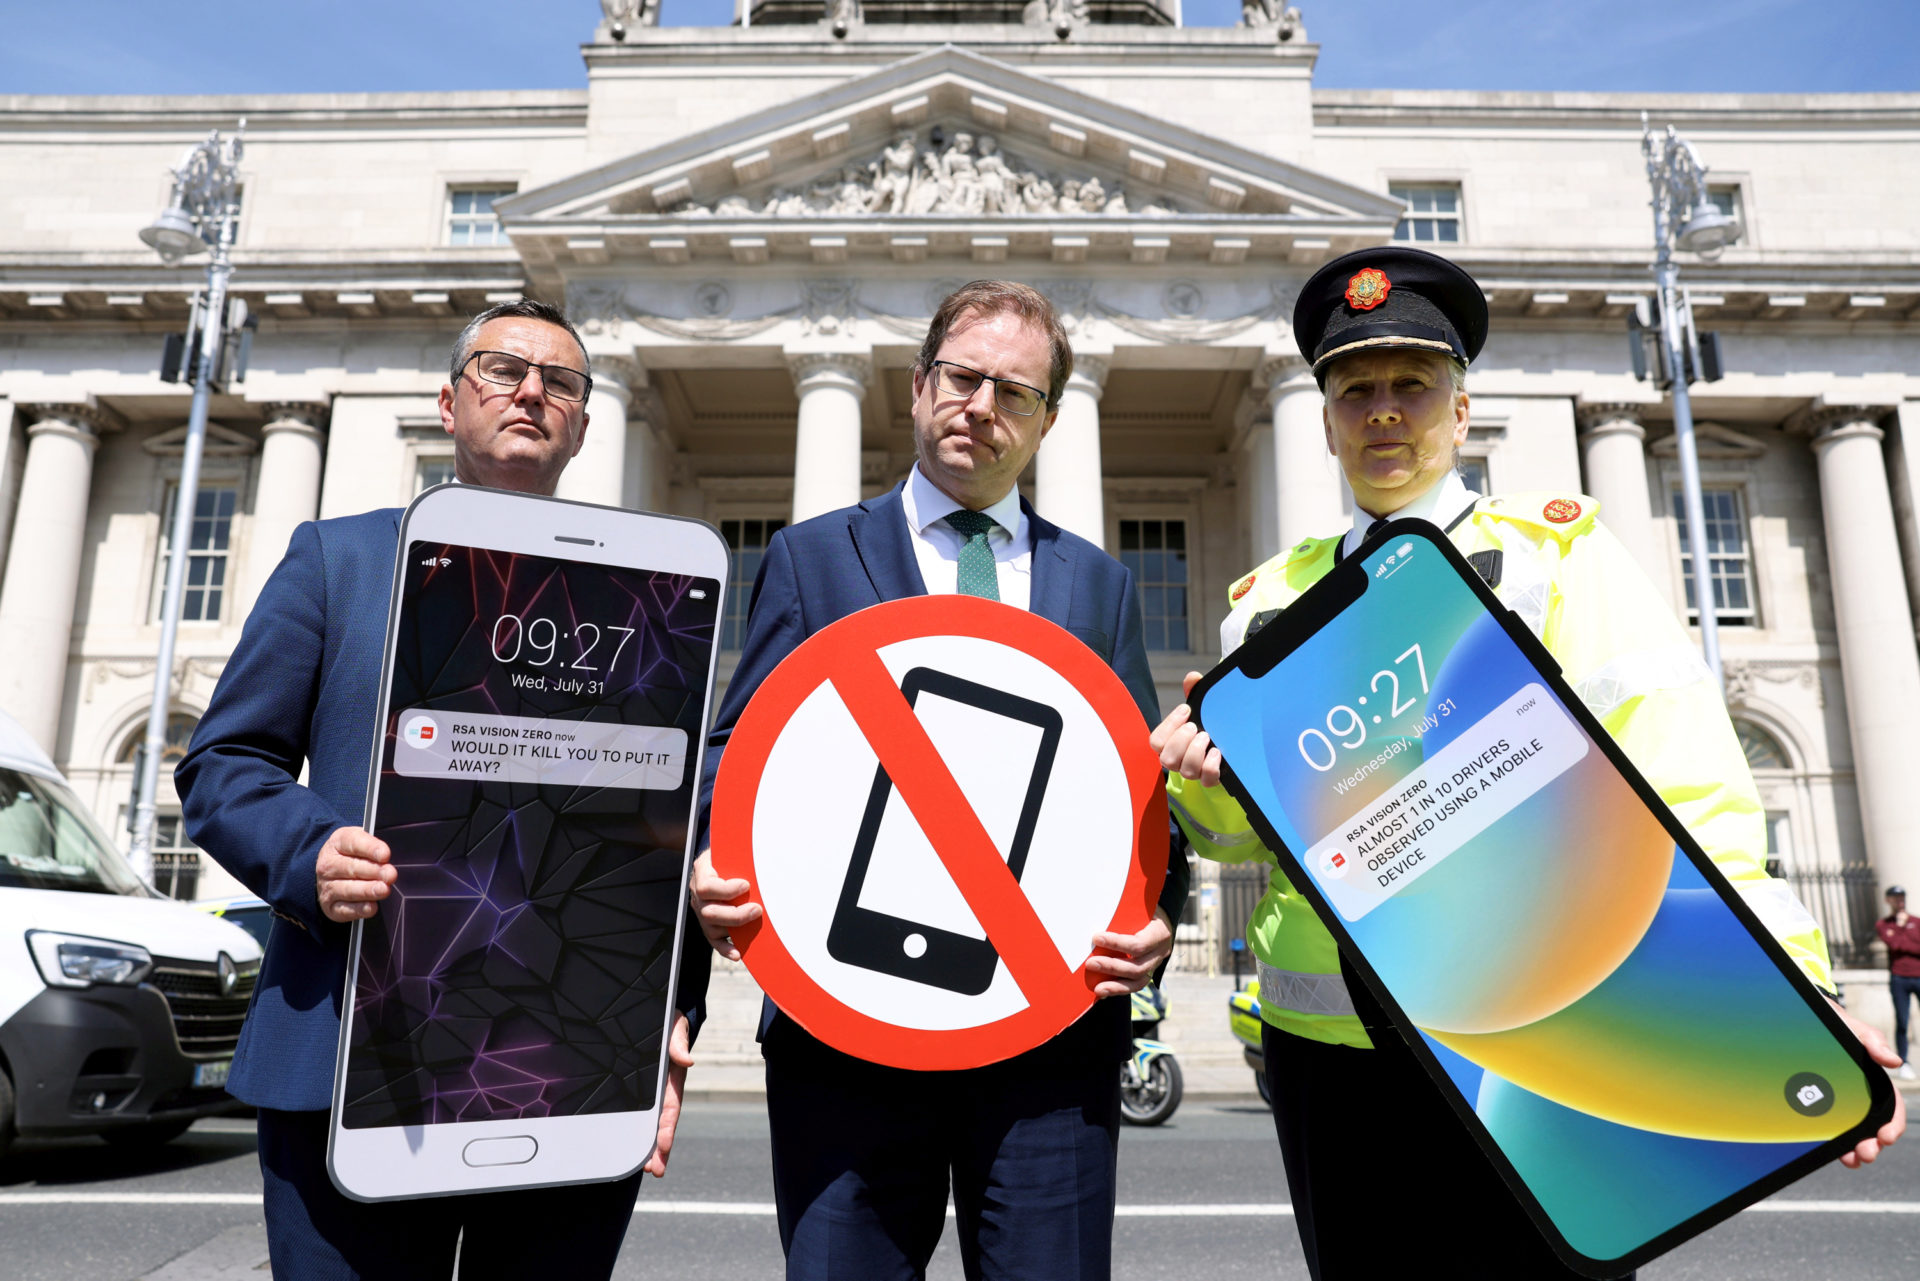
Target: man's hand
(715, 901)
(1882, 1053)
(679, 1059)
(1183, 747)
(352, 874)
(1138, 956)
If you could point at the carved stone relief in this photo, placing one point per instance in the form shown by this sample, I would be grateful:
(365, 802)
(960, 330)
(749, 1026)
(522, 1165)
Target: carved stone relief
(965, 174)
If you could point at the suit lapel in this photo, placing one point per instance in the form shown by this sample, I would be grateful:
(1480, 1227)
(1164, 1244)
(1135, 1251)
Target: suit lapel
(879, 529)
(1053, 577)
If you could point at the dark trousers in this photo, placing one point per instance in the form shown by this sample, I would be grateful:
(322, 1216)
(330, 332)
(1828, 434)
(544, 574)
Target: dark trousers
(863, 1158)
(1906, 988)
(316, 1234)
(1359, 1125)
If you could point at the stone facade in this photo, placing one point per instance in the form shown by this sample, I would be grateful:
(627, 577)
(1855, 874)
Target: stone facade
(752, 225)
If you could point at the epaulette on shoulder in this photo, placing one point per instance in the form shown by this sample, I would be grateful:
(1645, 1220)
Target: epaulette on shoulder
(1562, 514)
(1277, 565)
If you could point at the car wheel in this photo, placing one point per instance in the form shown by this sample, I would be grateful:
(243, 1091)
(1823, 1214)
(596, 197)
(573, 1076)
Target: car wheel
(1266, 1091)
(139, 1138)
(6, 1111)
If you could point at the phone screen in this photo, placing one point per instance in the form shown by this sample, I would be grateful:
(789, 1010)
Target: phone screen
(900, 911)
(1616, 1031)
(536, 785)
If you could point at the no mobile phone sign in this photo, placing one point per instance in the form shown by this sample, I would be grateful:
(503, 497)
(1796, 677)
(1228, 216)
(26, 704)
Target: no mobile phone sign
(938, 802)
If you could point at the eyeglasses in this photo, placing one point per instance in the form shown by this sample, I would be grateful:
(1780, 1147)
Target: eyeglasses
(505, 369)
(1017, 399)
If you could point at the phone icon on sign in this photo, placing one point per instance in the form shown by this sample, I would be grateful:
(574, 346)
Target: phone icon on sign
(899, 912)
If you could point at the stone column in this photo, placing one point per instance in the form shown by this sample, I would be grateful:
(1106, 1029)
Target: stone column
(43, 566)
(1614, 457)
(645, 414)
(1306, 476)
(826, 451)
(598, 473)
(1879, 666)
(288, 492)
(1068, 486)
(1263, 511)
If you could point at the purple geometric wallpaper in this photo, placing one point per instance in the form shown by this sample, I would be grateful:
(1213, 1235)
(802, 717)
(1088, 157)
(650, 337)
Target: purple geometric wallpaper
(521, 966)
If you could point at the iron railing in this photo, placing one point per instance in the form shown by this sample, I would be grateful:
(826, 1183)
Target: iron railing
(1846, 902)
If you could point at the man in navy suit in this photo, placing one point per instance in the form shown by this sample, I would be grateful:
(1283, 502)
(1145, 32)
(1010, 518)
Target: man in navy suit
(303, 688)
(863, 1154)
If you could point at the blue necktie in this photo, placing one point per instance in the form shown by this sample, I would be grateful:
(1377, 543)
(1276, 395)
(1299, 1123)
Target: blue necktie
(977, 576)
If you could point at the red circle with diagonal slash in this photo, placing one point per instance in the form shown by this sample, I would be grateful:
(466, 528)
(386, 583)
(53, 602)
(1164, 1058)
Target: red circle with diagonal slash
(846, 654)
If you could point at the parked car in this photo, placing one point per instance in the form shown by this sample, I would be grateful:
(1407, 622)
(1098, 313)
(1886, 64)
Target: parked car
(1243, 1020)
(119, 1008)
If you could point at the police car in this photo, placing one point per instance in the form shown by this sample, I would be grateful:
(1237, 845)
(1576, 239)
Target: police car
(119, 1008)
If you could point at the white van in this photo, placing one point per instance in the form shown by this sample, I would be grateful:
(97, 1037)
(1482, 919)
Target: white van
(119, 1008)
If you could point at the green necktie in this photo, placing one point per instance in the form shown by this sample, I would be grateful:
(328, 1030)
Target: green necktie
(977, 574)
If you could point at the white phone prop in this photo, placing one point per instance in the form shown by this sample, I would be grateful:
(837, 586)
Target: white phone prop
(544, 703)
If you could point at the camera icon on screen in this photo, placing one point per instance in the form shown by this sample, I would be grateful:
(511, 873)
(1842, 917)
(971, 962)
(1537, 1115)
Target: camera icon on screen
(1809, 1094)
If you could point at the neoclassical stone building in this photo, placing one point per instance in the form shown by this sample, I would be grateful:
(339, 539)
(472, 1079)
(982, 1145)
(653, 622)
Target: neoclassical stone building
(752, 223)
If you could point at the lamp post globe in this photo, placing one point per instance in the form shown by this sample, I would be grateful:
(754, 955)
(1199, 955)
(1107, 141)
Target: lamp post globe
(172, 235)
(1707, 230)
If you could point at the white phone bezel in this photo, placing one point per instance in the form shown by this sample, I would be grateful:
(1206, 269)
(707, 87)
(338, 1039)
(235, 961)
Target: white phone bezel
(400, 1162)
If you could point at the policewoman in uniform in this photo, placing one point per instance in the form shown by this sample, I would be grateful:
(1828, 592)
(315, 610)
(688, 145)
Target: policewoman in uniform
(1380, 1171)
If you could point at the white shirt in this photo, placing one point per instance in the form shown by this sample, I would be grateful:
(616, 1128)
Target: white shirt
(1440, 505)
(936, 544)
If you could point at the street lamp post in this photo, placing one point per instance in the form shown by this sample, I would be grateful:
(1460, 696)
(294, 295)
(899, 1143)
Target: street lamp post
(1684, 218)
(203, 215)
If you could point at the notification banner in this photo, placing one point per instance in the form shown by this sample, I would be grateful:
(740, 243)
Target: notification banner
(1471, 784)
(536, 749)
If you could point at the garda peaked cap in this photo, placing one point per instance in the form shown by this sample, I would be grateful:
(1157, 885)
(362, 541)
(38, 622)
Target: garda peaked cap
(1393, 296)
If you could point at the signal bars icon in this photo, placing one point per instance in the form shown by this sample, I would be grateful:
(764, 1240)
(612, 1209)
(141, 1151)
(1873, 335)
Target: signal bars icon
(441, 561)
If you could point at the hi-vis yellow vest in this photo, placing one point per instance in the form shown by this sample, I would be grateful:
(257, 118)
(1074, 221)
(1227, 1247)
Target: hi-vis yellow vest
(1621, 648)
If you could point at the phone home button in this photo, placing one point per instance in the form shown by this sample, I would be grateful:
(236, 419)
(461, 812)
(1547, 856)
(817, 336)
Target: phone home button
(515, 1150)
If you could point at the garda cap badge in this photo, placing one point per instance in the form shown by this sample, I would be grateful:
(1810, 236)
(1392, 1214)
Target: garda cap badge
(1368, 289)
(1561, 510)
(1240, 589)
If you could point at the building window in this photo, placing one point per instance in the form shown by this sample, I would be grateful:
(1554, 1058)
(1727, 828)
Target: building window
(1473, 473)
(180, 727)
(209, 548)
(432, 471)
(747, 539)
(176, 859)
(470, 216)
(1433, 211)
(1763, 749)
(1156, 552)
(1726, 200)
(1728, 552)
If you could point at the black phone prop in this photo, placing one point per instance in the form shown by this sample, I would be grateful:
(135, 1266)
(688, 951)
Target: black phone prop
(921, 951)
(1635, 1053)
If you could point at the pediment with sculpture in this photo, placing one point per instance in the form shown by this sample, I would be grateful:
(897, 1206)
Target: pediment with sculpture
(937, 172)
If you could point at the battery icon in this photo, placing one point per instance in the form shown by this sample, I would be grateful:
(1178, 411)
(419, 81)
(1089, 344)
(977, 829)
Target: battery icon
(698, 593)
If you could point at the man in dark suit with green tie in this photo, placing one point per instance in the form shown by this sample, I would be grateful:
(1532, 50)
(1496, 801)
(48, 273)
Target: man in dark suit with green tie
(864, 1155)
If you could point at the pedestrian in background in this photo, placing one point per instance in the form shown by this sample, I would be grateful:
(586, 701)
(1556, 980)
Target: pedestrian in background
(1901, 933)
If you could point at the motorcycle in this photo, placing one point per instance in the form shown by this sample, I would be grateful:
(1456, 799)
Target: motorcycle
(1243, 1019)
(1150, 1080)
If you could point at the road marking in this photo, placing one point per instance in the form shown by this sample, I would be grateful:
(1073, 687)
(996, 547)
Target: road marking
(130, 1198)
(763, 1209)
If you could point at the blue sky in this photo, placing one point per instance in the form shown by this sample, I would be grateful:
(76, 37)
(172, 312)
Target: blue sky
(246, 46)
